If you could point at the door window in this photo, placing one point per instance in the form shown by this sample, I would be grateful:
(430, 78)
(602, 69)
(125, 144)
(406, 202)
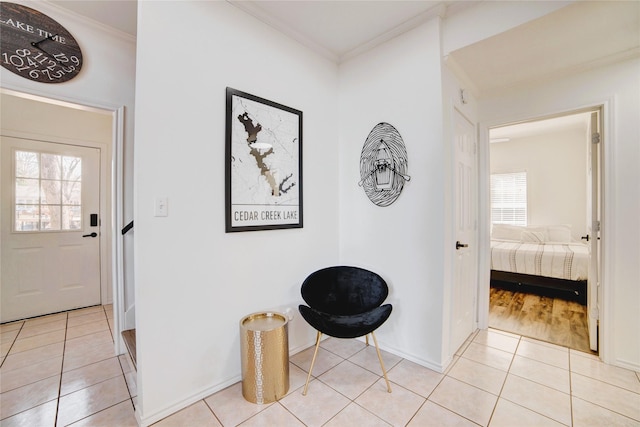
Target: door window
(47, 192)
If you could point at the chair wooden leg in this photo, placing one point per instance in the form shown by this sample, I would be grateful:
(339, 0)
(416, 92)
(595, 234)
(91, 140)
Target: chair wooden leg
(384, 371)
(366, 340)
(313, 361)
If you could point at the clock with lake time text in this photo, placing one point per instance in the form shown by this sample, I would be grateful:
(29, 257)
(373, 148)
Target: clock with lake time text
(35, 46)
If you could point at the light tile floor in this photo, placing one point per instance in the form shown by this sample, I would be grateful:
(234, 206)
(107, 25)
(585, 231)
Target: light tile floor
(61, 370)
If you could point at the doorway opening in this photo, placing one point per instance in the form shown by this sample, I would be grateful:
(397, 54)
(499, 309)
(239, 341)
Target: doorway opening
(545, 191)
(44, 128)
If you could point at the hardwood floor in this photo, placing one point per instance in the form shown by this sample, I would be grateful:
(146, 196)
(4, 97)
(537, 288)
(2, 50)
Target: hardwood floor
(545, 318)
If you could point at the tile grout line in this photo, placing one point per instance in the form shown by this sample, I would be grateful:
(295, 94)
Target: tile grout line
(446, 375)
(208, 407)
(571, 390)
(292, 414)
(513, 356)
(64, 346)
(508, 372)
(608, 409)
(130, 399)
(22, 326)
(12, 344)
(345, 359)
(536, 382)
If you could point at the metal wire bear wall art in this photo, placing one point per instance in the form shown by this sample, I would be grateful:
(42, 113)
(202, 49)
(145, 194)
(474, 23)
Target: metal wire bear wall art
(383, 165)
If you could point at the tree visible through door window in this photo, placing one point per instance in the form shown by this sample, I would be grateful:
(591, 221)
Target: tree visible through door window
(47, 192)
(509, 198)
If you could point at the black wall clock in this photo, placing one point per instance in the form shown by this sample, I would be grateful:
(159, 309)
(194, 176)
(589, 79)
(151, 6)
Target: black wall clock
(36, 47)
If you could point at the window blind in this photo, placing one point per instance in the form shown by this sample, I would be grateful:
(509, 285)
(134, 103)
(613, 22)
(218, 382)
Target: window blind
(509, 198)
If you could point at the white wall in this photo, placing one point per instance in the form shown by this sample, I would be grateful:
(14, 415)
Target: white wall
(43, 119)
(194, 282)
(398, 82)
(617, 87)
(556, 167)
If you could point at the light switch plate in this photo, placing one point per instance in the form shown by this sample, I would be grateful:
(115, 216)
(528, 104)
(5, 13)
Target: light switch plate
(161, 207)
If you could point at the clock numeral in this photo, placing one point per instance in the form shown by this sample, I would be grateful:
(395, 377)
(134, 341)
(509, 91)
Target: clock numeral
(40, 55)
(53, 69)
(16, 61)
(31, 62)
(61, 57)
(52, 75)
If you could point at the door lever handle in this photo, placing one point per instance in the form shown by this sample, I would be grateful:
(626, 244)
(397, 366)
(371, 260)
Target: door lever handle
(461, 245)
(94, 234)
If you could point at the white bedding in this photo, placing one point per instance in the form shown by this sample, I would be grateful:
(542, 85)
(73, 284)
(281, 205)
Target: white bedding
(568, 260)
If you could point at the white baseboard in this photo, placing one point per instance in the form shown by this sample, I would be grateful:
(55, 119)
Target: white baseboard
(190, 400)
(633, 366)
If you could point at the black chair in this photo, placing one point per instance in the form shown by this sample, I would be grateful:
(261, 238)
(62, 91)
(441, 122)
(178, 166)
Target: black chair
(345, 302)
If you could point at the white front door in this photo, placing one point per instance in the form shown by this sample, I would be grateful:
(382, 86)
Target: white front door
(50, 228)
(465, 280)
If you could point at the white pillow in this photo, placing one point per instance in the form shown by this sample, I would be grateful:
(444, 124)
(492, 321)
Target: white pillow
(559, 233)
(506, 232)
(532, 236)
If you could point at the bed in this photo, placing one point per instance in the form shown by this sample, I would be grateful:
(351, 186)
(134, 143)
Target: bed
(541, 260)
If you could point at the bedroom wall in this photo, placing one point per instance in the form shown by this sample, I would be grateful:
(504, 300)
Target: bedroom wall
(617, 87)
(194, 281)
(556, 167)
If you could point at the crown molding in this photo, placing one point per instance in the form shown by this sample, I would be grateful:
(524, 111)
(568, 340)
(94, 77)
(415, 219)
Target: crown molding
(46, 6)
(252, 8)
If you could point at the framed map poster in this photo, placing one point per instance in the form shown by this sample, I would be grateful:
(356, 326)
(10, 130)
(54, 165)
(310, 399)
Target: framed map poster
(263, 164)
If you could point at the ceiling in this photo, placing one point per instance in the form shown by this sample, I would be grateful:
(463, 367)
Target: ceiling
(119, 14)
(581, 35)
(343, 29)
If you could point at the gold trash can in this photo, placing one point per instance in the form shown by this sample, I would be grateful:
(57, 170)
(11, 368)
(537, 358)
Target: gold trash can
(264, 344)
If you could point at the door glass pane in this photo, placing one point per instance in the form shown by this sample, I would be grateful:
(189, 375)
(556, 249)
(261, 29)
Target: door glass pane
(72, 168)
(50, 217)
(71, 193)
(51, 192)
(27, 165)
(50, 166)
(27, 191)
(27, 218)
(71, 218)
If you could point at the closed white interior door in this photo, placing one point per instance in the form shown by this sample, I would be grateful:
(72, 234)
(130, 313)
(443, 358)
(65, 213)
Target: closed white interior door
(465, 281)
(50, 228)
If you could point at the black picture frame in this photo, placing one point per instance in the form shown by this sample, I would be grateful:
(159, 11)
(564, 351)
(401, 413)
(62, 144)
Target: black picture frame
(263, 164)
